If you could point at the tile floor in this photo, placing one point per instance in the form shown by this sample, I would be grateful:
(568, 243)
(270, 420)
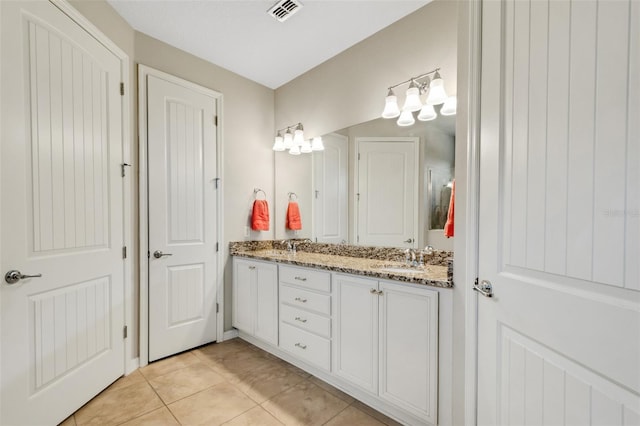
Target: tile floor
(231, 383)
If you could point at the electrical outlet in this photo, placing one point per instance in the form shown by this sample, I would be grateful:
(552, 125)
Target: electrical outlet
(247, 231)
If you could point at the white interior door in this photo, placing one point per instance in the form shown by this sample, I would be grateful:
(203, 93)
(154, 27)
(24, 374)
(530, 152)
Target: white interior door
(387, 198)
(330, 181)
(182, 216)
(62, 215)
(559, 341)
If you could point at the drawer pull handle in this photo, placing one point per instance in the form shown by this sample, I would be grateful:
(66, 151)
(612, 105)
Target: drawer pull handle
(300, 319)
(300, 278)
(301, 346)
(252, 267)
(299, 299)
(373, 291)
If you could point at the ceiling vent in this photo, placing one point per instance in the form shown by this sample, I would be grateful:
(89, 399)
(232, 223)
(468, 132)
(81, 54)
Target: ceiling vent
(284, 9)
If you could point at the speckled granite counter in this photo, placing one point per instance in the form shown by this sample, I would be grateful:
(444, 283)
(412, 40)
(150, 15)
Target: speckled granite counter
(307, 255)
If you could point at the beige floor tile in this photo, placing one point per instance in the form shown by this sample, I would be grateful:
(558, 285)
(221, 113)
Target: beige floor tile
(375, 414)
(132, 379)
(266, 381)
(351, 416)
(160, 417)
(237, 363)
(257, 416)
(184, 382)
(69, 421)
(167, 365)
(332, 390)
(221, 350)
(304, 404)
(213, 406)
(119, 405)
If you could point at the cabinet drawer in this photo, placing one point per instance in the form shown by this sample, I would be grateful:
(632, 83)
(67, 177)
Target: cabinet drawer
(305, 299)
(306, 320)
(315, 280)
(306, 346)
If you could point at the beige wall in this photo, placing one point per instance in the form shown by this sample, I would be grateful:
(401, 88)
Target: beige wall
(350, 88)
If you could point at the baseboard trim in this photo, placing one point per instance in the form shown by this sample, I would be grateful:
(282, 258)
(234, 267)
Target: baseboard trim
(230, 334)
(131, 366)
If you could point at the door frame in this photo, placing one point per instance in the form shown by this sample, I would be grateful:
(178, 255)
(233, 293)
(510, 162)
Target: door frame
(143, 199)
(356, 180)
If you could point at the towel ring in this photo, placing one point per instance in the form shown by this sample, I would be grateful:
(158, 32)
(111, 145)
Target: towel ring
(257, 191)
(292, 195)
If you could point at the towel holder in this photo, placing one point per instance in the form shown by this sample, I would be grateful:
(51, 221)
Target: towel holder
(257, 191)
(292, 195)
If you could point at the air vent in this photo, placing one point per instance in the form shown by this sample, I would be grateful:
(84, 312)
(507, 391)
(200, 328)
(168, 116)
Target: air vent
(284, 9)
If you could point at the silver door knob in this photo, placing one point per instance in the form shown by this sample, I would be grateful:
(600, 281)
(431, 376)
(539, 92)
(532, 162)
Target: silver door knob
(158, 254)
(14, 276)
(410, 240)
(485, 288)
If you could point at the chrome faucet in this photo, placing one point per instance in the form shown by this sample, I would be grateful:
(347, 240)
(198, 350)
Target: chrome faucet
(295, 244)
(288, 244)
(410, 257)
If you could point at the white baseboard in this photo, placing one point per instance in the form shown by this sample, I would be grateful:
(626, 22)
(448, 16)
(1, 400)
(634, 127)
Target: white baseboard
(131, 366)
(230, 334)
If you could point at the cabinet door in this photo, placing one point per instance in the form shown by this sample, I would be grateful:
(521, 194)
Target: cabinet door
(266, 291)
(356, 331)
(244, 277)
(409, 349)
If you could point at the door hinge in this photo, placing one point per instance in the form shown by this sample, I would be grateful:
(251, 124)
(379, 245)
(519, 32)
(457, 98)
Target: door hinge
(358, 156)
(358, 238)
(121, 89)
(148, 255)
(124, 252)
(358, 195)
(217, 308)
(217, 182)
(475, 283)
(122, 166)
(125, 332)
(215, 120)
(217, 247)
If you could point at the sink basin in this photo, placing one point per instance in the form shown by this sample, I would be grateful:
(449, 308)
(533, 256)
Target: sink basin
(400, 269)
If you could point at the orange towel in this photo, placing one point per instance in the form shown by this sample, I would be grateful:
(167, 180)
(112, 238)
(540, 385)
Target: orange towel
(448, 227)
(293, 217)
(260, 216)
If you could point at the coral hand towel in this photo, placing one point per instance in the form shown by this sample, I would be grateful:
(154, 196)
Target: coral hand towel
(293, 217)
(260, 216)
(448, 227)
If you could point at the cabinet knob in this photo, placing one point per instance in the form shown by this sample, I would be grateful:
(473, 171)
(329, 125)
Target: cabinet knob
(373, 291)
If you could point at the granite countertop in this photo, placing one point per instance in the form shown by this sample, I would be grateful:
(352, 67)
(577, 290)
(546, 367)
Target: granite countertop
(433, 275)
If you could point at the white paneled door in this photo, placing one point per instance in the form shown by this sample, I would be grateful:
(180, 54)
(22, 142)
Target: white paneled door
(387, 194)
(62, 216)
(559, 341)
(182, 216)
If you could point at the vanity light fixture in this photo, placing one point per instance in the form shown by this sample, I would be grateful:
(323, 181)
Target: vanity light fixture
(430, 82)
(293, 140)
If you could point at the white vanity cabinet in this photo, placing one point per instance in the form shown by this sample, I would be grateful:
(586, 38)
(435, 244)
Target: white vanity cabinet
(255, 299)
(386, 342)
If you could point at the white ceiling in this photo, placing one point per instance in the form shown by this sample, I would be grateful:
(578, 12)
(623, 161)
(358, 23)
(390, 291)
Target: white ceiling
(239, 35)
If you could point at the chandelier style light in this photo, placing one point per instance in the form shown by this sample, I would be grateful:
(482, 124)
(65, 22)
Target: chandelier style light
(430, 83)
(295, 142)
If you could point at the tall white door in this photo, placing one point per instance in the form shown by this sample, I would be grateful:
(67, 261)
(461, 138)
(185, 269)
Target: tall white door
(330, 181)
(559, 341)
(387, 197)
(62, 218)
(182, 216)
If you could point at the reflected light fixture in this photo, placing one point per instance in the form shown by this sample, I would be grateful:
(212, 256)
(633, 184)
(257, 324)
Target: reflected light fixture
(431, 83)
(293, 140)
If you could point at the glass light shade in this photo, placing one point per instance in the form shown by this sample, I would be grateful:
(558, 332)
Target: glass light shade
(427, 113)
(295, 150)
(391, 109)
(412, 102)
(288, 139)
(279, 143)
(317, 144)
(437, 95)
(450, 106)
(298, 137)
(306, 147)
(406, 119)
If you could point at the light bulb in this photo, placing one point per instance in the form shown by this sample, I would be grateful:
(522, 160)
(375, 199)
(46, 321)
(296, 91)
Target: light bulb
(317, 144)
(450, 106)
(412, 102)
(306, 147)
(427, 113)
(279, 143)
(288, 139)
(391, 109)
(298, 135)
(295, 150)
(406, 119)
(437, 95)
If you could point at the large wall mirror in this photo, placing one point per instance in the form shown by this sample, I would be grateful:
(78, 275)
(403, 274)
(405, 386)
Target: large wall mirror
(374, 184)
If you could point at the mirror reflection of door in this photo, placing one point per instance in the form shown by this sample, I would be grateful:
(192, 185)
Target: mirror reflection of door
(387, 191)
(330, 194)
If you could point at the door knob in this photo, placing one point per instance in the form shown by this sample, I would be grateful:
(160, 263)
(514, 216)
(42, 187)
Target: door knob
(410, 240)
(158, 254)
(14, 276)
(485, 288)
